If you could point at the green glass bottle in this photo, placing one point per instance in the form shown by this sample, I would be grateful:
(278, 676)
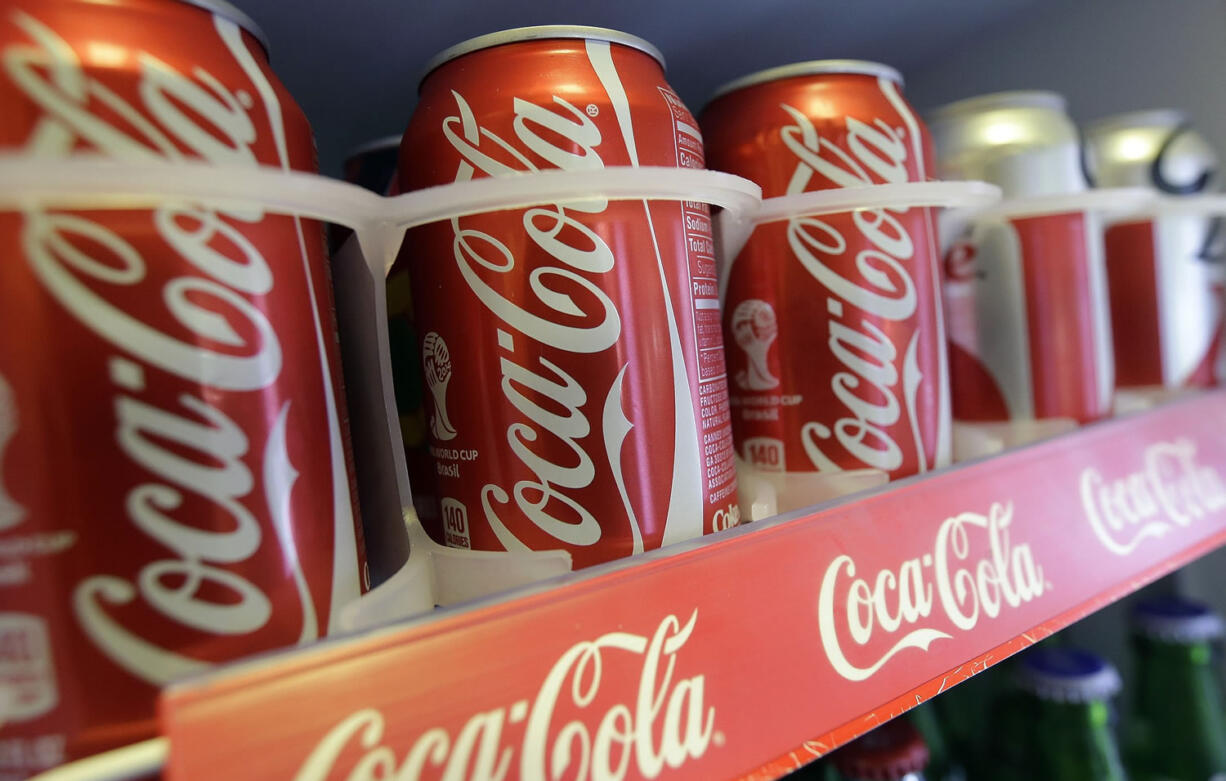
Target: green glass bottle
(1177, 725)
(895, 751)
(968, 718)
(1068, 716)
(942, 766)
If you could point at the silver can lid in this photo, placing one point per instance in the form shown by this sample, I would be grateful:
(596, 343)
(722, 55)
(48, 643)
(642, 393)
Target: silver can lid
(226, 11)
(1067, 675)
(543, 32)
(1176, 620)
(1168, 118)
(811, 68)
(1041, 99)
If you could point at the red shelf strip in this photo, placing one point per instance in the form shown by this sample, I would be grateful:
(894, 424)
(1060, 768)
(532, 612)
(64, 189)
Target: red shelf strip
(708, 662)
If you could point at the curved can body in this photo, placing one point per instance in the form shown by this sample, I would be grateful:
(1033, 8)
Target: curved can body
(1025, 298)
(572, 355)
(839, 353)
(1165, 273)
(175, 481)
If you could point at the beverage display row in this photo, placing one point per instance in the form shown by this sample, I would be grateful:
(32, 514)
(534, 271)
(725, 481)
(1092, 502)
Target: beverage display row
(177, 488)
(1057, 712)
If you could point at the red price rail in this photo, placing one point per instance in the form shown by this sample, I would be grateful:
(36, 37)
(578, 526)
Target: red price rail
(719, 659)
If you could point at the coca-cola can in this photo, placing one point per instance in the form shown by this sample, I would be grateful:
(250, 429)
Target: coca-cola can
(839, 353)
(1026, 297)
(175, 481)
(1165, 273)
(572, 352)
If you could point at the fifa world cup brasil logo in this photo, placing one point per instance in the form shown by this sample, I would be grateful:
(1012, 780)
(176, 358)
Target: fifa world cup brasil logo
(754, 328)
(437, 362)
(11, 513)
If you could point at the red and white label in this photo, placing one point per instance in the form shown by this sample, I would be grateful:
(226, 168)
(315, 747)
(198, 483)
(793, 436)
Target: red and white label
(832, 623)
(587, 410)
(1167, 294)
(975, 569)
(1171, 489)
(836, 344)
(584, 721)
(1029, 323)
(175, 486)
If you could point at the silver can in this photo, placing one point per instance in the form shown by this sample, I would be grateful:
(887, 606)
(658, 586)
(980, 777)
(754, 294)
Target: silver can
(1025, 297)
(1165, 272)
(1023, 142)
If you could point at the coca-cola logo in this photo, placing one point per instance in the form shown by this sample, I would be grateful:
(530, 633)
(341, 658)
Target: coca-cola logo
(663, 723)
(1171, 490)
(880, 286)
(973, 572)
(552, 320)
(547, 500)
(222, 343)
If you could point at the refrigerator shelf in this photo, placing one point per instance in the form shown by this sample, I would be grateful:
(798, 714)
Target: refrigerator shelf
(745, 653)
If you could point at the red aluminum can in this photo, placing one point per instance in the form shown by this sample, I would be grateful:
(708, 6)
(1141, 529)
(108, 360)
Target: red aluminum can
(175, 482)
(840, 359)
(572, 353)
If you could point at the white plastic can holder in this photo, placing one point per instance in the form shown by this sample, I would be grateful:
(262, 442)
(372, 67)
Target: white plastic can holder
(767, 493)
(974, 440)
(1106, 201)
(459, 575)
(433, 574)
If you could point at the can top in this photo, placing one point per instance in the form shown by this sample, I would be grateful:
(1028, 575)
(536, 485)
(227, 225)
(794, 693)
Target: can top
(1041, 99)
(1166, 118)
(542, 32)
(226, 11)
(374, 145)
(1157, 148)
(892, 751)
(811, 68)
(1174, 619)
(1067, 675)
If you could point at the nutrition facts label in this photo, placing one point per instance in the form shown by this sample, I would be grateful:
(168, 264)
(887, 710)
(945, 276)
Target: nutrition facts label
(704, 286)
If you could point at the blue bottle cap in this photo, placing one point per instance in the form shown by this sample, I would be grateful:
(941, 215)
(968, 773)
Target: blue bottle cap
(1067, 675)
(1174, 619)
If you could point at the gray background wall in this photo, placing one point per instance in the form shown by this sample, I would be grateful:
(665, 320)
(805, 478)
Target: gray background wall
(1106, 56)
(354, 64)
